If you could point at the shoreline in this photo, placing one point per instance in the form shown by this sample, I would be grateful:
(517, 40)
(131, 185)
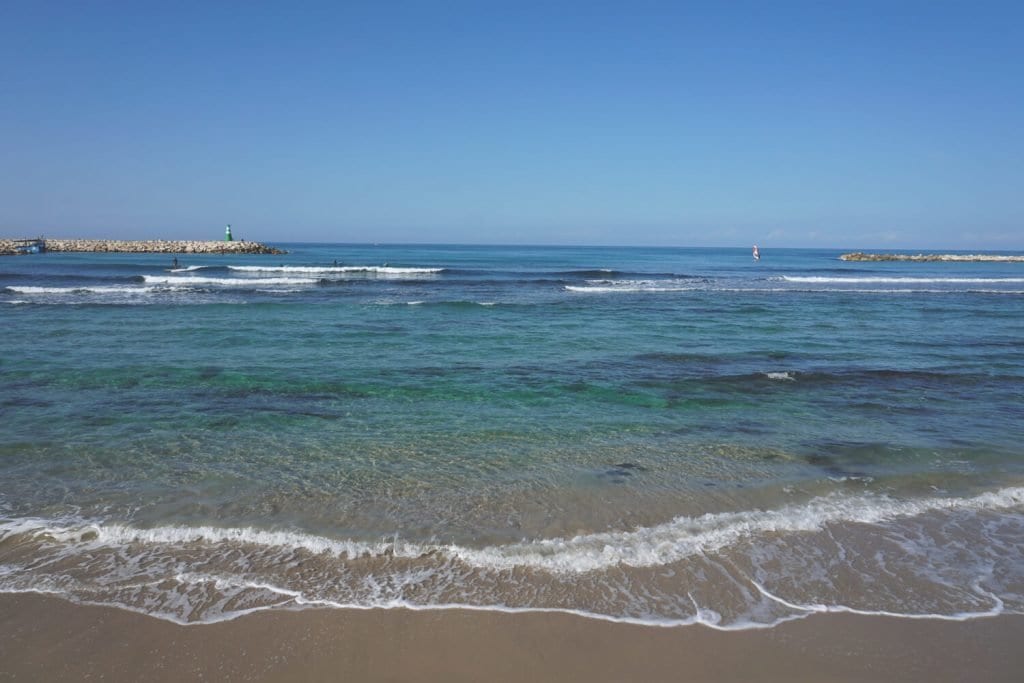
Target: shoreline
(47, 638)
(8, 248)
(997, 258)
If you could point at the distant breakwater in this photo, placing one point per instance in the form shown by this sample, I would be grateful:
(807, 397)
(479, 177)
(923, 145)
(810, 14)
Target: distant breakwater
(860, 256)
(9, 246)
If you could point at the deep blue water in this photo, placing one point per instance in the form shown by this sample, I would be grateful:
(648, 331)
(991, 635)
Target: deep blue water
(660, 435)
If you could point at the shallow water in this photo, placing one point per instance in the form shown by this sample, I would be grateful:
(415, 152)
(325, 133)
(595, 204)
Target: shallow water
(656, 435)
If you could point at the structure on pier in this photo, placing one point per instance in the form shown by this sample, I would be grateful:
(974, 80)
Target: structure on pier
(34, 246)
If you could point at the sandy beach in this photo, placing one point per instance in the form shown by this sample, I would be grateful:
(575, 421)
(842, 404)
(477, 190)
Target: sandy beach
(45, 638)
(639, 342)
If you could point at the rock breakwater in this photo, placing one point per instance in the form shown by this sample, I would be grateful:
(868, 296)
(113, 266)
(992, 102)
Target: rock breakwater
(860, 256)
(8, 246)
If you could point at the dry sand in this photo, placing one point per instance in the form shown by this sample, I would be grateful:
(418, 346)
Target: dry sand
(47, 639)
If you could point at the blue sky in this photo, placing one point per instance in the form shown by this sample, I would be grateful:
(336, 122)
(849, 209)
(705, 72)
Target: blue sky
(859, 124)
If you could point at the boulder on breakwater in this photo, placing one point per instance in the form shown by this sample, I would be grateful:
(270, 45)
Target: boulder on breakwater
(7, 246)
(860, 256)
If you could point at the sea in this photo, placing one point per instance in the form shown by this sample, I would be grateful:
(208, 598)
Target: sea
(660, 436)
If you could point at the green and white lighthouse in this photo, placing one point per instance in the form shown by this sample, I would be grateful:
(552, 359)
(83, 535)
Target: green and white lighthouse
(227, 233)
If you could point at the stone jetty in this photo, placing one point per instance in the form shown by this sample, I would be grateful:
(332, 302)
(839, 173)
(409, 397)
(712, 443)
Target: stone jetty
(860, 256)
(8, 246)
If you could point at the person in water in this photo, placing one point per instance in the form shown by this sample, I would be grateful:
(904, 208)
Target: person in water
(757, 254)
(174, 263)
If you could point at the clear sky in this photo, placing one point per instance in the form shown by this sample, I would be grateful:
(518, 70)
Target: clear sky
(845, 124)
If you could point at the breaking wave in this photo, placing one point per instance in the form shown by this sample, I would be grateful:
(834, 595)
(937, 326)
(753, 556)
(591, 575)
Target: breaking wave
(942, 558)
(84, 290)
(903, 280)
(193, 281)
(605, 286)
(338, 270)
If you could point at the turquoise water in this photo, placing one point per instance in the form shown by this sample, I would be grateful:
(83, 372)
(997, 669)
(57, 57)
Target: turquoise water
(655, 435)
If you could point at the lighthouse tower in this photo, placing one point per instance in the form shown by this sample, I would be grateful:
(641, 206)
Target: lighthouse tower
(227, 233)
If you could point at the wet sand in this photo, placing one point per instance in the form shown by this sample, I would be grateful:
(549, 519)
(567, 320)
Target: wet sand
(45, 638)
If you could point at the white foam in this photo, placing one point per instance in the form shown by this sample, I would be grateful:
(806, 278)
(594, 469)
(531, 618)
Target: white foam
(783, 376)
(819, 608)
(653, 546)
(604, 289)
(328, 270)
(193, 281)
(296, 600)
(903, 280)
(703, 617)
(902, 290)
(177, 587)
(685, 536)
(605, 286)
(84, 290)
(420, 302)
(186, 269)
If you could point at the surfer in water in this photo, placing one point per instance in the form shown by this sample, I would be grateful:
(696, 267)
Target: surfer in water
(757, 254)
(174, 263)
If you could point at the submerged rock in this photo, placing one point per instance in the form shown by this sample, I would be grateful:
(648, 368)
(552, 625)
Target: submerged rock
(618, 473)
